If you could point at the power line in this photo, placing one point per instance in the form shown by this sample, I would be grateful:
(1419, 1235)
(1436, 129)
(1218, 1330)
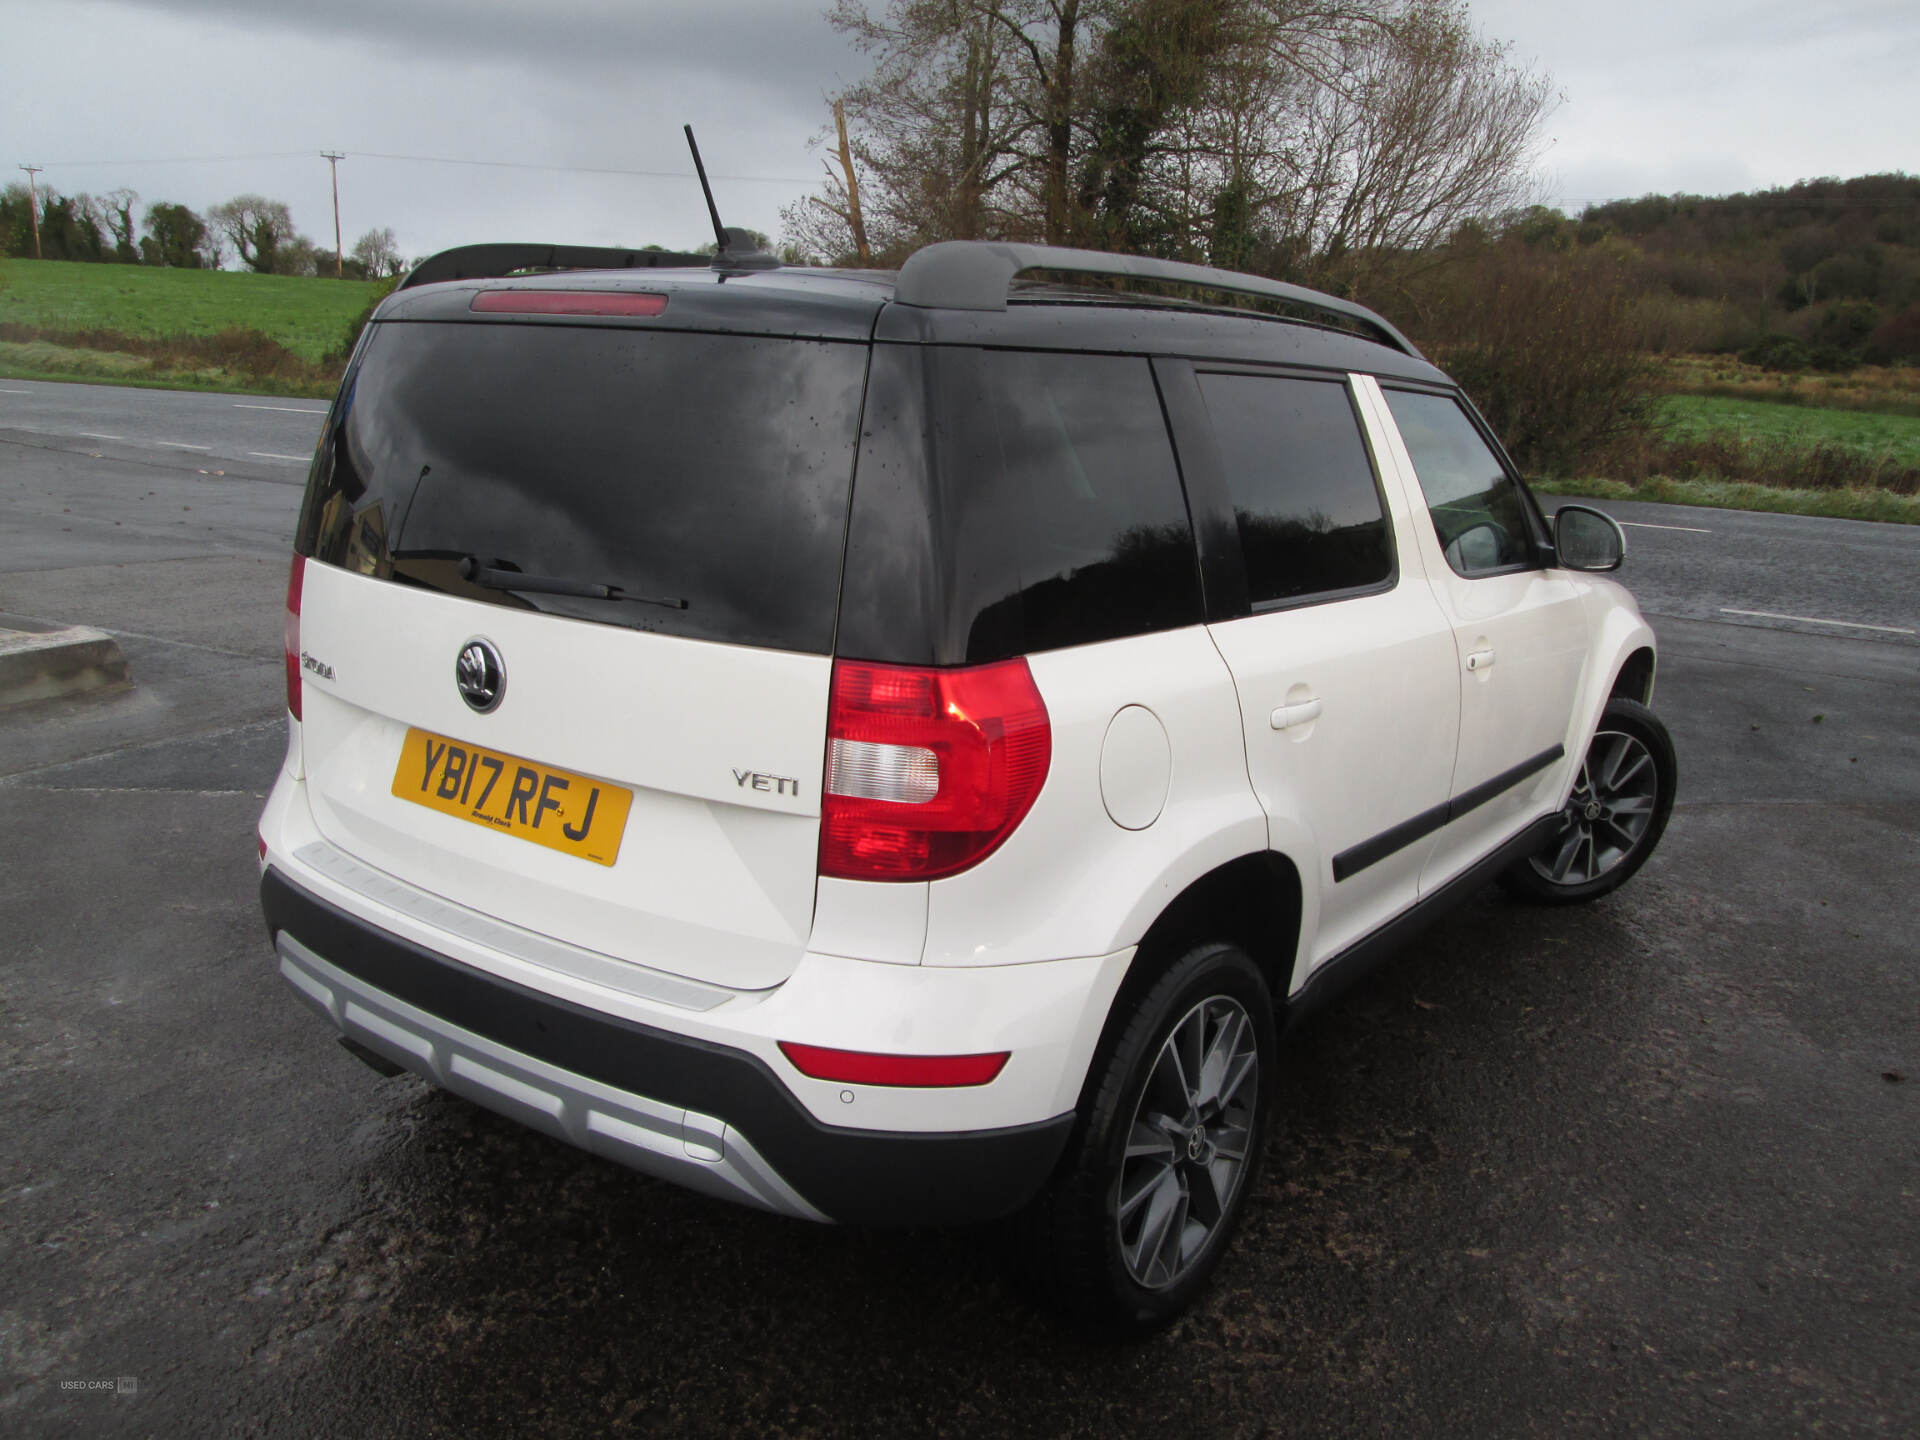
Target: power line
(585, 169)
(185, 159)
(439, 160)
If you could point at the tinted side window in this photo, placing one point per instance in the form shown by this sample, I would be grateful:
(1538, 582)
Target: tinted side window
(692, 484)
(1009, 502)
(1477, 510)
(1303, 490)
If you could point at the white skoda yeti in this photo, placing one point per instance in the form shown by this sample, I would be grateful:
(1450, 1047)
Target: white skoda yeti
(902, 749)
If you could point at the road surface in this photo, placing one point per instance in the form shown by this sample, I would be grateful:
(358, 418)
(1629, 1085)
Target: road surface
(1643, 1167)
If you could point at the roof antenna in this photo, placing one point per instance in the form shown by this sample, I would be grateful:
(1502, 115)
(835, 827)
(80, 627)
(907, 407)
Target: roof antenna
(737, 250)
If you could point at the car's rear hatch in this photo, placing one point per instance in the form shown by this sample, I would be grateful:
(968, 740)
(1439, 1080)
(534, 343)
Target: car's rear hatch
(641, 530)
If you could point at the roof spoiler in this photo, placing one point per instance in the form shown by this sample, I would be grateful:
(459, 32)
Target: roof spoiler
(975, 275)
(487, 262)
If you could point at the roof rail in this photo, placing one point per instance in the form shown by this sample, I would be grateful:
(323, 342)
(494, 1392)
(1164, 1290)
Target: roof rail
(486, 262)
(975, 274)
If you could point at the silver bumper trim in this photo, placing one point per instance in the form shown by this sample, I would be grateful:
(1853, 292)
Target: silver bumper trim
(701, 1152)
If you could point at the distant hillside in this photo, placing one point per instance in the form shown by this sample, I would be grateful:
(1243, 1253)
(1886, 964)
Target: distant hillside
(1829, 264)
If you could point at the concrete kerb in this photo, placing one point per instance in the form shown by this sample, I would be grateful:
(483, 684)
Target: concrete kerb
(44, 661)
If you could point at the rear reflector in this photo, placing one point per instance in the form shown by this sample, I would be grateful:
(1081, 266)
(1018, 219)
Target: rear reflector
(296, 578)
(569, 302)
(857, 1067)
(928, 771)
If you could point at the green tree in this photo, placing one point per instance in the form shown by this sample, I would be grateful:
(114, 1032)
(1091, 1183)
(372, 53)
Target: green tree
(70, 228)
(16, 221)
(175, 237)
(1847, 324)
(1153, 62)
(298, 255)
(116, 215)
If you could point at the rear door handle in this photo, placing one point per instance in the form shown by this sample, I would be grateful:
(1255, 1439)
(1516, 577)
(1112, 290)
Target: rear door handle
(1479, 659)
(1287, 716)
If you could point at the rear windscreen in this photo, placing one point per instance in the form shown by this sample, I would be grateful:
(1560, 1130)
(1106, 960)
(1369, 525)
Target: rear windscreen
(690, 484)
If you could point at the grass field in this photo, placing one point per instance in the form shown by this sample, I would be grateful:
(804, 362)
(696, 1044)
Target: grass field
(1695, 417)
(1748, 454)
(306, 315)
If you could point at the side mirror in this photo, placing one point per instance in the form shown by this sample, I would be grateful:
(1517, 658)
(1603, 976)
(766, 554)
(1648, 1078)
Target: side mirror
(1585, 539)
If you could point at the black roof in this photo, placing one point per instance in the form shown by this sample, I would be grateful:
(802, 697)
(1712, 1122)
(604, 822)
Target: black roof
(859, 305)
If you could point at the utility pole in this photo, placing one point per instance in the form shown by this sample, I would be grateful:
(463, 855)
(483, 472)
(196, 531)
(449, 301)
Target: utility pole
(33, 204)
(333, 164)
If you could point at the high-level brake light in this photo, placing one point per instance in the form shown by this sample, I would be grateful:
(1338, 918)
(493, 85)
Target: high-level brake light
(569, 302)
(928, 771)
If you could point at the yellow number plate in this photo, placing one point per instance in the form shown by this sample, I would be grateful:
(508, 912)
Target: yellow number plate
(550, 807)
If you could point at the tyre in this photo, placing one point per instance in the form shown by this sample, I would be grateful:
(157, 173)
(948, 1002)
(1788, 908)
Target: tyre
(1622, 796)
(1167, 1148)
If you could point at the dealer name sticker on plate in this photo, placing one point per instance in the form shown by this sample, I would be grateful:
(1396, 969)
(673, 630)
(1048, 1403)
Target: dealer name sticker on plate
(556, 808)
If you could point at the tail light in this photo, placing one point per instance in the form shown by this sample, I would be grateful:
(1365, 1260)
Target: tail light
(296, 577)
(928, 771)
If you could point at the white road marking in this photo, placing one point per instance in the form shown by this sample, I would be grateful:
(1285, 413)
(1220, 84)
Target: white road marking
(1643, 525)
(289, 409)
(269, 455)
(181, 445)
(96, 435)
(16, 392)
(1810, 620)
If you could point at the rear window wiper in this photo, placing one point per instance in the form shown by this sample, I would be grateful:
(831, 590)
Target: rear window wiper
(495, 579)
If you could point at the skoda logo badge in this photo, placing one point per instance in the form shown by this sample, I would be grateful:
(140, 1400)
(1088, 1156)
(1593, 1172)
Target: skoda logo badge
(481, 676)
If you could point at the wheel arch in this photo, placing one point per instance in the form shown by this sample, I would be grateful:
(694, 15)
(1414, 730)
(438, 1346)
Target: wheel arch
(1620, 655)
(1253, 901)
(1634, 681)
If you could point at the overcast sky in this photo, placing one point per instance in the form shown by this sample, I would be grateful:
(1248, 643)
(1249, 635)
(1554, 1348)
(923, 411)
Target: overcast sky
(1706, 96)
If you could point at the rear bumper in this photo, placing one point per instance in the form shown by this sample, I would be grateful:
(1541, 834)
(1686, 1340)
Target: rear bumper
(704, 1115)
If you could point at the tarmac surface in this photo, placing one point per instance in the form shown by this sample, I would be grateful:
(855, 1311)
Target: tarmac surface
(1649, 1166)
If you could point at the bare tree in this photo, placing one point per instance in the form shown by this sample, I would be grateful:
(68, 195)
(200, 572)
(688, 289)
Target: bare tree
(966, 126)
(377, 253)
(1424, 126)
(1315, 138)
(256, 228)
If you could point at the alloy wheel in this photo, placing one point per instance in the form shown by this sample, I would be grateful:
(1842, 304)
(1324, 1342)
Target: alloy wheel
(1186, 1155)
(1608, 813)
